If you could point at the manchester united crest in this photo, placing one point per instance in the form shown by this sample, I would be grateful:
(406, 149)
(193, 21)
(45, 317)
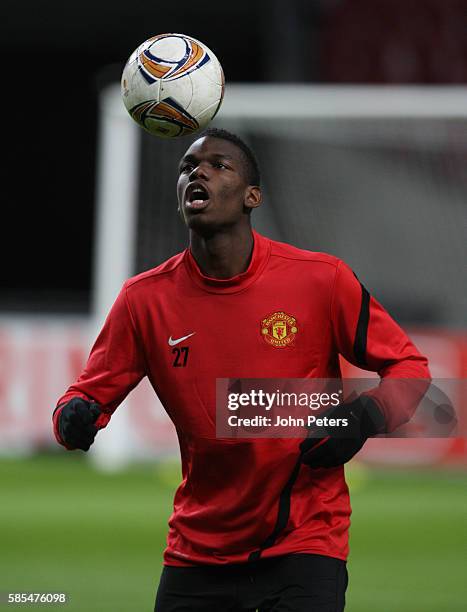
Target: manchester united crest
(279, 329)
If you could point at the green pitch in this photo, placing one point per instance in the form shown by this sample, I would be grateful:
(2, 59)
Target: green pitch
(99, 537)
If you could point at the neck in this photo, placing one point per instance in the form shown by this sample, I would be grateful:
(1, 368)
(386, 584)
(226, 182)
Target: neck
(225, 254)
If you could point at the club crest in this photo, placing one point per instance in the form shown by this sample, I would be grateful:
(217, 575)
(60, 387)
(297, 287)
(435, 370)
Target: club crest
(279, 329)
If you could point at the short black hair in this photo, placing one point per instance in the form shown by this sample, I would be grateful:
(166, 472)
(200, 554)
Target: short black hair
(251, 165)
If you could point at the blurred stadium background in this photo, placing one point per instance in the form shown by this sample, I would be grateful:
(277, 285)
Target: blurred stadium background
(358, 113)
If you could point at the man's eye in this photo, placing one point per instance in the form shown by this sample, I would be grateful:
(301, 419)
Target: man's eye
(219, 165)
(186, 168)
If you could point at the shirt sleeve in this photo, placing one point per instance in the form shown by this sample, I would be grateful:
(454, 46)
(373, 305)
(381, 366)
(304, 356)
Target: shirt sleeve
(115, 365)
(367, 336)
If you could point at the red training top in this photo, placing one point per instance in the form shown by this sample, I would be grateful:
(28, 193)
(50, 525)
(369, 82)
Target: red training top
(240, 498)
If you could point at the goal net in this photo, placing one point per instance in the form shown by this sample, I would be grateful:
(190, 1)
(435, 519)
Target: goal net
(375, 175)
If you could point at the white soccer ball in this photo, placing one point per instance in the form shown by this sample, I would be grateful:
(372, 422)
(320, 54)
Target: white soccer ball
(172, 85)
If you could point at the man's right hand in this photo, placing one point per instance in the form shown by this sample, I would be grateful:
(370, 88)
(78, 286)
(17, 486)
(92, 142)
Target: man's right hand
(76, 423)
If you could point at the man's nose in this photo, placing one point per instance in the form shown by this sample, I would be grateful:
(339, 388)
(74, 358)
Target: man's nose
(199, 171)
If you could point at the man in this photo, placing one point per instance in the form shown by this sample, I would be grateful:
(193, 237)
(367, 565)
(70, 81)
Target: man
(257, 523)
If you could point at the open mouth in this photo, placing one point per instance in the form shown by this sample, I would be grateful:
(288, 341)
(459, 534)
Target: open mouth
(197, 197)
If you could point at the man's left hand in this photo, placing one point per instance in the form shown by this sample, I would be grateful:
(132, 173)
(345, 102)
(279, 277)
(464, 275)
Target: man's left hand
(340, 444)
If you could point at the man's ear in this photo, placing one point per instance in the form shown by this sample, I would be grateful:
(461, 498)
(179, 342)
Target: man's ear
(253, 197)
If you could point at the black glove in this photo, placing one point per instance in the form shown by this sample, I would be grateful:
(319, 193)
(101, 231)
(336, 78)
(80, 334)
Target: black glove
(340, 444)
(76, 423)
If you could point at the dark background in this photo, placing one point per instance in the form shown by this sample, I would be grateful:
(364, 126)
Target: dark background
(57, 55)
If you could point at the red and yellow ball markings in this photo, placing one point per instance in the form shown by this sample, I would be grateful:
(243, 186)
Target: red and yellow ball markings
(196, 55)
(154, 67)
(165, 110)
(138, 112)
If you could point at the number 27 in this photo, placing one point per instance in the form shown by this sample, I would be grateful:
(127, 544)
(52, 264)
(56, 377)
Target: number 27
(181, 356)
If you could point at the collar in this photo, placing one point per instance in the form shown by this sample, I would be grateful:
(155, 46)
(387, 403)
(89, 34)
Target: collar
(259, 259)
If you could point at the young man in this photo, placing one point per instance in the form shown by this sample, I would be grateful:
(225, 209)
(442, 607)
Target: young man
(257, 523)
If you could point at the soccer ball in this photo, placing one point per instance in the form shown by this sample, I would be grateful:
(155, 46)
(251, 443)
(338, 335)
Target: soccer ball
(172, 85)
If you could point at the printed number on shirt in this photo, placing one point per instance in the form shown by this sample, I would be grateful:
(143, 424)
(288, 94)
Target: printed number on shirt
(181, 356)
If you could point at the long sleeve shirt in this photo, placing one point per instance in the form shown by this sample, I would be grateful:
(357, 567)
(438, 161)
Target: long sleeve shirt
(183, 330)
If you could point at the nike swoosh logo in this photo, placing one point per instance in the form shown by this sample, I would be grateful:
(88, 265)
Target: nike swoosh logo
(178, 340)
